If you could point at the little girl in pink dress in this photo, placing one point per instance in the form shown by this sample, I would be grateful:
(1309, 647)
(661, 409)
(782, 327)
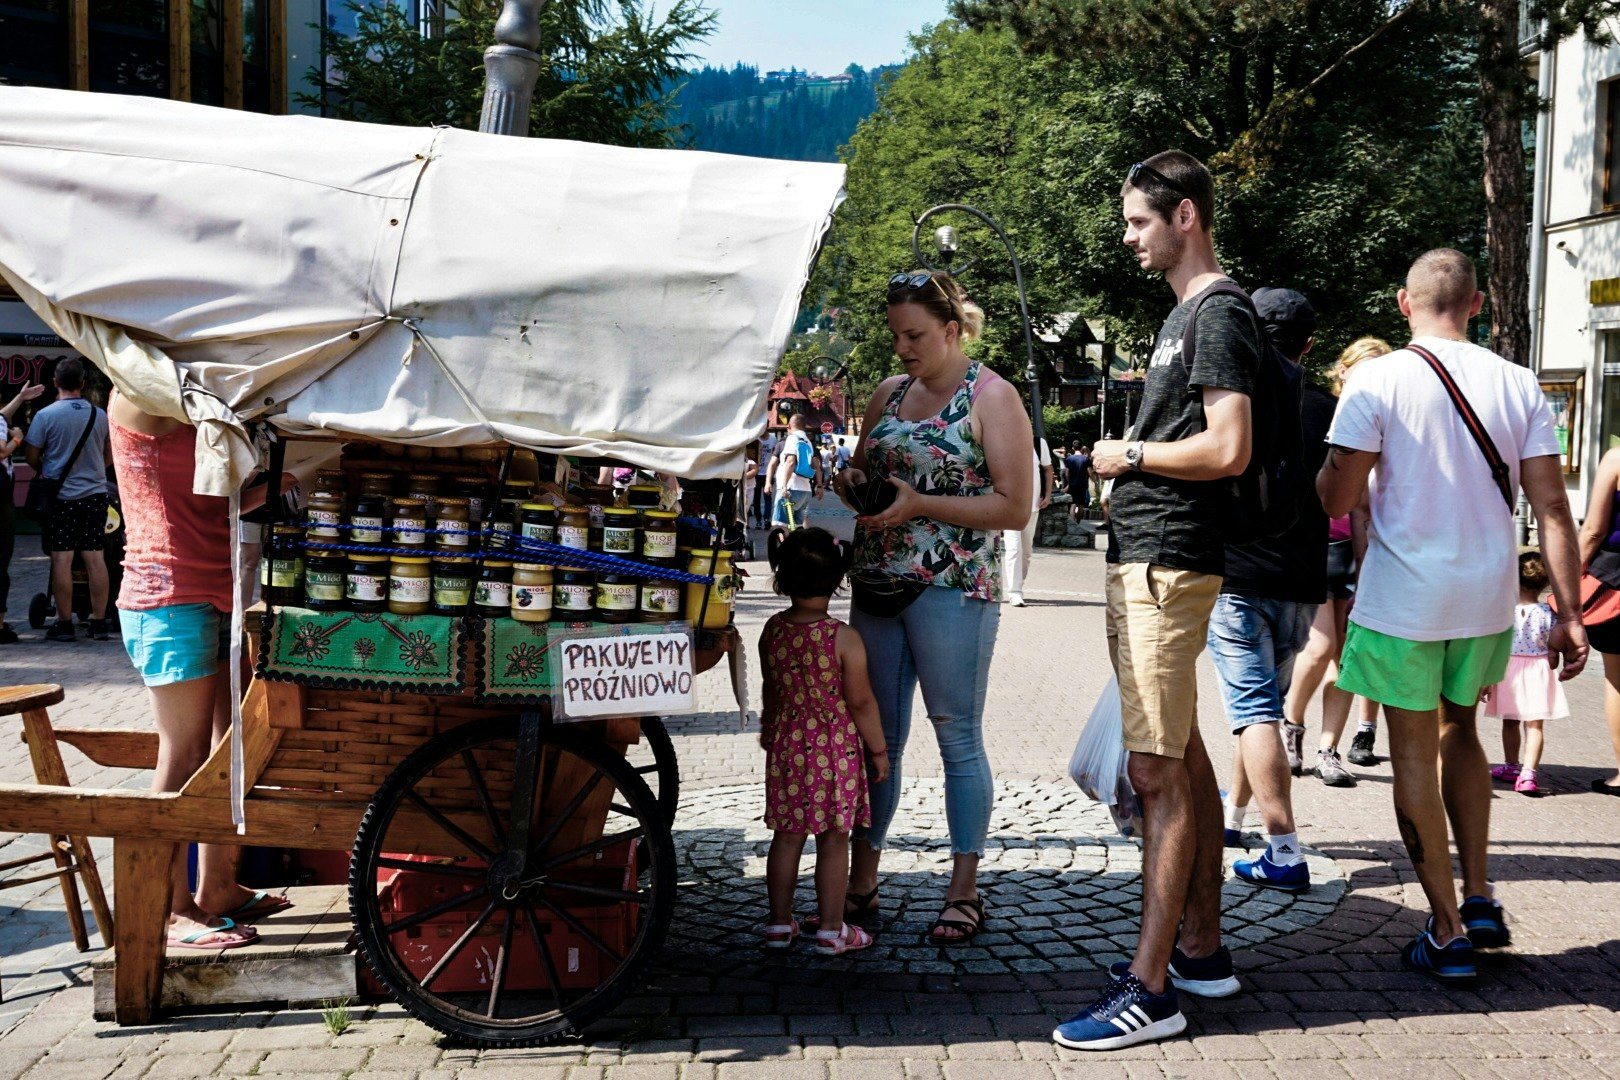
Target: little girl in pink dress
(818, 714)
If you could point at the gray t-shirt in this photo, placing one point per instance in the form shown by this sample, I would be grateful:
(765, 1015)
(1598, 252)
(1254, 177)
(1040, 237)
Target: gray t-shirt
(56, 430)
(1177, 523)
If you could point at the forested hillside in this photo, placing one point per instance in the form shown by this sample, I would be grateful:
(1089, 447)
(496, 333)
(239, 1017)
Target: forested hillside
(777, 115)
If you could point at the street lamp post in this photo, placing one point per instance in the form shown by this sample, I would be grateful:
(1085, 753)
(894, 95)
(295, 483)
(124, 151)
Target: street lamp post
(945, 241)
(511, 69)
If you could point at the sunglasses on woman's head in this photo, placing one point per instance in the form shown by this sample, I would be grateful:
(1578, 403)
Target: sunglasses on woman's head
(911, 281)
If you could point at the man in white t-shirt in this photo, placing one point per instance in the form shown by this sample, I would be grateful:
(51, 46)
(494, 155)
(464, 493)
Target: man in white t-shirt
(1433, 621)
(787, 480)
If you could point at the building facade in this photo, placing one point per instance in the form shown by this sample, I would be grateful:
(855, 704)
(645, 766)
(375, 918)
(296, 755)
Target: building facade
(1575, 249)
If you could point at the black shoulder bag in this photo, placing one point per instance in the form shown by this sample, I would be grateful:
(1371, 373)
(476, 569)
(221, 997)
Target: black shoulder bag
(1482, 438)
(43, 490)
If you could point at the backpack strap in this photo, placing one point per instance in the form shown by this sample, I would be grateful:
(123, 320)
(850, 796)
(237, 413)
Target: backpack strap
(1189, 336)
(1482, 438)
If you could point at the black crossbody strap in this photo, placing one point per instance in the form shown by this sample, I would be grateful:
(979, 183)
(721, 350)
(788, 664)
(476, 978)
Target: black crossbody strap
(1482, 437)
(73, 459)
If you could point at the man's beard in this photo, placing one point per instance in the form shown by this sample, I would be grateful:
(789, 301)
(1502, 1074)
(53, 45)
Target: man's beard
(1167, 256)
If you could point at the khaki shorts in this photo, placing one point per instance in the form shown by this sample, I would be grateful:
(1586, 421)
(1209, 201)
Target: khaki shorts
(1158, 620)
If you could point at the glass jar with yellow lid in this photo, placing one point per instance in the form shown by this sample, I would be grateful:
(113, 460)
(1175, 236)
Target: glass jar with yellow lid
(574, 527)
(658, 535)
(452, 584)
(409, 525)
(539, 522)
(366, 588)
(707, 561)
(492, 596)
(453, 526)
(621, 530)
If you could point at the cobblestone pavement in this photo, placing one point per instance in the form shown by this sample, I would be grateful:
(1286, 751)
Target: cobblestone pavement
(1325, 993)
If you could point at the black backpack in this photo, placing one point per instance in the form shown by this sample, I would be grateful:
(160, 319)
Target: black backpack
(1268, 495)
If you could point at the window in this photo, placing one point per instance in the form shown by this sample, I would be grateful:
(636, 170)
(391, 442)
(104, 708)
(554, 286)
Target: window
(1611, 146)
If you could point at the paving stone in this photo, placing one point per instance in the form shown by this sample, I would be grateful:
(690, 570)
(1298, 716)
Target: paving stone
(310, 1061)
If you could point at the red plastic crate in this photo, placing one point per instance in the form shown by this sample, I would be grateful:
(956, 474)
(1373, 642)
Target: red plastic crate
(580, 964)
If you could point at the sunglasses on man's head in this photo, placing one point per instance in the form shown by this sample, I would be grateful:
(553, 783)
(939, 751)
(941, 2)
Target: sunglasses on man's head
(1133, 178)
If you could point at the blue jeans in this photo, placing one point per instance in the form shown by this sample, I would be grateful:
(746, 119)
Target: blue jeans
(942, 642)
(800, 501)
(1253, 643)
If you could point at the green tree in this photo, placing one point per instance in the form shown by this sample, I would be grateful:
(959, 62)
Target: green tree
(606, 77)
(1041, 140)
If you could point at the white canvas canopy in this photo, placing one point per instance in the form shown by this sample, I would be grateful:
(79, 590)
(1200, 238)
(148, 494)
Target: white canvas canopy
(436, 287)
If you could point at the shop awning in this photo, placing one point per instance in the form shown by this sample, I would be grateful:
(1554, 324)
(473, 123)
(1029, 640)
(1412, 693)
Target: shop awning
(436, 287)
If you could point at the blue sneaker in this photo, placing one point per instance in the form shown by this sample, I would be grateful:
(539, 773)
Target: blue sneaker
(1125, 1014)
(1270, 875)
(1451, 963)
(1486, 923)
(1233, 838)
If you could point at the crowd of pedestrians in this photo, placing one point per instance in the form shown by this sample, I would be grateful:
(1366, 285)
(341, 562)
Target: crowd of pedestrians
(1371, 550)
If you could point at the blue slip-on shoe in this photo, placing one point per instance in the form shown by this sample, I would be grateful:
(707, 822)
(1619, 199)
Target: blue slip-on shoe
(1449, 963)
(1486, 923)
(1270, 875)
(1125, 1014)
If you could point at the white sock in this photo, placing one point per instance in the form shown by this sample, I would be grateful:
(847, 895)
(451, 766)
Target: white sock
(1235, 816)
(1284, 849)
(1366, 725)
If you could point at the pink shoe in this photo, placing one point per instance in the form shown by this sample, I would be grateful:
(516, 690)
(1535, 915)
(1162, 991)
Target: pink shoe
(1507, 772)
(781, 935)
(1526, 785)
(838, 942)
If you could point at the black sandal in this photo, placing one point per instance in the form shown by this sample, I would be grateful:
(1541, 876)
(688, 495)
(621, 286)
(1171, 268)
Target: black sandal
(857, 906)
(964, 930)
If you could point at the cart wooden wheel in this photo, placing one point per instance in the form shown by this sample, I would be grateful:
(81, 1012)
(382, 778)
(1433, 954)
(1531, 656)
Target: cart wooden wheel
(510, 881)
(662, 772)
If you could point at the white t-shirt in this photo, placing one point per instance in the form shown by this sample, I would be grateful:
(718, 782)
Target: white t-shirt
(1441, 558)
(787, 463)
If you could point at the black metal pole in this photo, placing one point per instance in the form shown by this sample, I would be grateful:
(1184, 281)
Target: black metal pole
(1031, 373)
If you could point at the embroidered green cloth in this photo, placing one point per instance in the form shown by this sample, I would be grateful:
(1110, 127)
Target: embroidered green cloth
(345, 649)
(515, 659)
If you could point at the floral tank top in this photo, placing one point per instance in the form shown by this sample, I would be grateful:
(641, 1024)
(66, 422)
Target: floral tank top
(938, 455)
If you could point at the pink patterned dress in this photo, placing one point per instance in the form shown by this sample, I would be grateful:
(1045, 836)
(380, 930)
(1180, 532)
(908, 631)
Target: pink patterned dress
(815, 769)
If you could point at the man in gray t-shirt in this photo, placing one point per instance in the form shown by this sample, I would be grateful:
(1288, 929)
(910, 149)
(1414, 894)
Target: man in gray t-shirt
(76, 522)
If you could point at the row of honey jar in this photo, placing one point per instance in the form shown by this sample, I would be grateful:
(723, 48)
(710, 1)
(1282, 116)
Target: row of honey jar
(491, 587)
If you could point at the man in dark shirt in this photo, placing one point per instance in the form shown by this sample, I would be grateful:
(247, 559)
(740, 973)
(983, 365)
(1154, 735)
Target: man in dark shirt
(1269, 597)
(1165, 560)
(1078, 467)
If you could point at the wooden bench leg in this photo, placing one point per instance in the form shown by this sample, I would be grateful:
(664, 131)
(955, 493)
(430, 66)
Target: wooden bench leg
(142, 873)
(92, 887)
(61, 851)
(48, 769)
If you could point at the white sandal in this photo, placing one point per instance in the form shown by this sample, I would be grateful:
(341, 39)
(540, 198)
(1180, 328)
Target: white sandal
(838, 942)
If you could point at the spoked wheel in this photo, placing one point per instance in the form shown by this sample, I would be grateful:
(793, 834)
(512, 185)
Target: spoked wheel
(510, 882)
(654, 761)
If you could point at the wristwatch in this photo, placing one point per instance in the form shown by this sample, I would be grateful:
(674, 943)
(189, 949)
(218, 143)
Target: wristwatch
(1133, 456)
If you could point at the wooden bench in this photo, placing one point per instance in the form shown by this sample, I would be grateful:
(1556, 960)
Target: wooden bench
(69, 851)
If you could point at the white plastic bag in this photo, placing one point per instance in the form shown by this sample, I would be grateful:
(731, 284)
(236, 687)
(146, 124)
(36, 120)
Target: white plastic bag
(1099, 762)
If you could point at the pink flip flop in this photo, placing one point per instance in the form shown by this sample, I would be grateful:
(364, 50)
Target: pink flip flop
(194, 940)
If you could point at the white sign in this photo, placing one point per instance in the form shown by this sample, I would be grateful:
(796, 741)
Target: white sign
(643, 675)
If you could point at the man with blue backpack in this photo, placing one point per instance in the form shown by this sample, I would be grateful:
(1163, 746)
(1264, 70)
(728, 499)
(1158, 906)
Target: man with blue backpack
(1191, 473)
(796, 476)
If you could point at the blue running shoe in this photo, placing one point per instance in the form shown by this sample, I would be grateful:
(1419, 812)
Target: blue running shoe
(1233, 838)
(1125, 1014)
(1451, 963)
(1486, 923)
(1270, 875)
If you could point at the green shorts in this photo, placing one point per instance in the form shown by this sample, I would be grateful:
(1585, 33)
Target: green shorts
(1415, 675)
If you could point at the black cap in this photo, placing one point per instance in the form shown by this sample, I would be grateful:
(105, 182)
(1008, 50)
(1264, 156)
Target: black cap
(1288, 317)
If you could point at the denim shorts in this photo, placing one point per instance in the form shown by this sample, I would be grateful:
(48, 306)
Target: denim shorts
(1253, 643)
(174, 644)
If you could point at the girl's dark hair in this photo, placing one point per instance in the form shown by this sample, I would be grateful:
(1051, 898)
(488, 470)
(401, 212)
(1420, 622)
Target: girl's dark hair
(1532, 570)
(810, 563)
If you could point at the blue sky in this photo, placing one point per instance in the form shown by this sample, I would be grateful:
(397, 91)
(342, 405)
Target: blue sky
(823, 36)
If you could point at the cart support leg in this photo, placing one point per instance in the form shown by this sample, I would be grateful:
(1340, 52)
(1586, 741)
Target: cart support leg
(142, 879)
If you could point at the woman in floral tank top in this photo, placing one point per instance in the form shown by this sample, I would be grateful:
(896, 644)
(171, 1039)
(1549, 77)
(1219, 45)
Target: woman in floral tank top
(953, 440)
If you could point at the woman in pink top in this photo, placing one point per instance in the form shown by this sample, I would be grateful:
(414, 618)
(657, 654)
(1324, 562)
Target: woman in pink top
(174, 608)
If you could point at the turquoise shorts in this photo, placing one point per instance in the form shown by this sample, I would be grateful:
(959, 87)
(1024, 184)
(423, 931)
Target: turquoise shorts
(1415, 675)
(174, 644)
